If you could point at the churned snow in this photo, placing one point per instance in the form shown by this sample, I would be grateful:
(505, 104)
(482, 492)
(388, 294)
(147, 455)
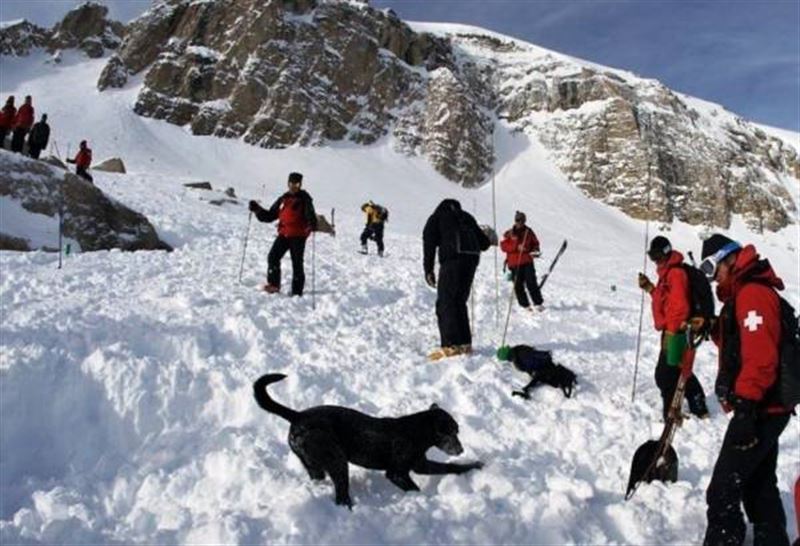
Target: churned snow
(126, 395)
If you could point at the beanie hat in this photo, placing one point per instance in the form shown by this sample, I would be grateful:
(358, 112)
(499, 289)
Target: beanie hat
(717, 243)
(295, 178)
(659, 247)
(504, 352)
(520, 217)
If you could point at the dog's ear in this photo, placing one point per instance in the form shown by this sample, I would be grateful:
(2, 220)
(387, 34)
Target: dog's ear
(434, 406)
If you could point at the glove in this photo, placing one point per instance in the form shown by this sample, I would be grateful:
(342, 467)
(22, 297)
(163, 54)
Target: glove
(536, 253)
(675, 346)
(645, 284)
(742, 430)
(430, 278)
(253, 206)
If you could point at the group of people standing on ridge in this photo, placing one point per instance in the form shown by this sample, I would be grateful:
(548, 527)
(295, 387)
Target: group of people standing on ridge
(748, 333)
(19, 123)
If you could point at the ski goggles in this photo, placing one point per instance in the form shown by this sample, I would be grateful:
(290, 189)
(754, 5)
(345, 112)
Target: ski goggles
(709, 265)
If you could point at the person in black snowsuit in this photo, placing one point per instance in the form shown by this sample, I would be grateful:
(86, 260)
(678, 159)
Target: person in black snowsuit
(38, 137)
(459, 241)
(297, 218)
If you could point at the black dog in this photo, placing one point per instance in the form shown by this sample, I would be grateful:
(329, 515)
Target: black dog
(540, 366)
(326, 438)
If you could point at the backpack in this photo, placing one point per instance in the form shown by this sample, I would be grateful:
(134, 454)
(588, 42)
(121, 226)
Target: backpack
(788, 384)
(701, 298)
(382, 212)
(466, 238)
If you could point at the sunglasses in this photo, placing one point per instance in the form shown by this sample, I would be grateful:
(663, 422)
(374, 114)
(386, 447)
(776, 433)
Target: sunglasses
(710, 265)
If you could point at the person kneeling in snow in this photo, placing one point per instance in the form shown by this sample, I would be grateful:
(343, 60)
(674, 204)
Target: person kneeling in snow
(540, 366)
(296, 217)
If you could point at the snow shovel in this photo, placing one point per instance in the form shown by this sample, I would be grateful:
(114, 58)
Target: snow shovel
(656, 459)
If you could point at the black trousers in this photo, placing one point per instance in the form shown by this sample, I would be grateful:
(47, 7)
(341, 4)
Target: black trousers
(18, 139)
(3, 134)
(453, 287)
(83, 173)
(374, 232)
(34, 150)
(667, 380)
(747, 477)
(296, 247)
(525, 277)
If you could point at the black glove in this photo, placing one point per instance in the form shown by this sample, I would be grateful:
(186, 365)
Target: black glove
(742, 430)
(253, 206)
(430, 278)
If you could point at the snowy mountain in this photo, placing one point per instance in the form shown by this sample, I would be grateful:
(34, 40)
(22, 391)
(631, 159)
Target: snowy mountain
(126, 378)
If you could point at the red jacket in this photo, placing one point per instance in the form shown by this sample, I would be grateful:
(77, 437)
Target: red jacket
(752, 289)
(24, 117)
(512, 239)
(7, 116)
(671, 296)
(83, 158)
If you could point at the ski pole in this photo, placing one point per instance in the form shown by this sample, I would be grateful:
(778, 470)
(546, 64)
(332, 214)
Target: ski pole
(513, 288)
(644, 271)
(313, 269)
(61, 220)
(244, 246)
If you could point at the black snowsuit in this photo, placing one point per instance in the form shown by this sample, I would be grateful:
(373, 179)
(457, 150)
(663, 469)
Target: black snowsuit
(38, 138)
(667, 381)
(459, 241)
(293, 229)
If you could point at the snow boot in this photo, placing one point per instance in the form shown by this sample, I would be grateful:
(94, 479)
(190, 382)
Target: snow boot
(444, 352)
(697, 407)
(364, 250)
(271, 289)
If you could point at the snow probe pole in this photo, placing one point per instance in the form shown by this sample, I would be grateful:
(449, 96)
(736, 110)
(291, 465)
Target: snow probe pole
(645, 125)
(313, 269)
(472, 288)
(61, 220)
(511, 293)
(244, 246)
(494, 226)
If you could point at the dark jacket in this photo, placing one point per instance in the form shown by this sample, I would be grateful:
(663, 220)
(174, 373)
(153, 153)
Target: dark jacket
(39, 135)
(454, 232)
(295, 214)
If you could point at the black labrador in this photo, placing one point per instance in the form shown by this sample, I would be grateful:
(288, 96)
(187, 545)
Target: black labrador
(327, 438)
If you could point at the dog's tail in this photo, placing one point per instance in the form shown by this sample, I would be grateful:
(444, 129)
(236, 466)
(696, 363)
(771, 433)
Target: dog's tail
(267, 403)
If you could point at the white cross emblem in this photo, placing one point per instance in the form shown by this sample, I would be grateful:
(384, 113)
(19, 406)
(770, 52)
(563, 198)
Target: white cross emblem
(752, 321)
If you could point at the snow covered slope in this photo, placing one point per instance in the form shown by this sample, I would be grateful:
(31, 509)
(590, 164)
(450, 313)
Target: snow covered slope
(125, 395)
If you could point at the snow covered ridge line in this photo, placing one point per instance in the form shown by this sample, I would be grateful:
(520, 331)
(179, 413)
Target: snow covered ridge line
(444, 92)
(31, 196)
(85, 27)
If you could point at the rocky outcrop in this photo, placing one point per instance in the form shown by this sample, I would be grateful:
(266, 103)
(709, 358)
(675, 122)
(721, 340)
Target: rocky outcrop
(111, 165)
(90, 218)
(19, 38)
(86, 27)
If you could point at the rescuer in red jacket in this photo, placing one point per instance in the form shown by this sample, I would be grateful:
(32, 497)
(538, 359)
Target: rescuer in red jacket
(23, 122)
(296, 217)
(670, 303)
(748, 334)
(8, 116)
(521, 247)
(82, 161)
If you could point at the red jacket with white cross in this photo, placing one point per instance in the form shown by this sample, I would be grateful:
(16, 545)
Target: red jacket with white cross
(753, 284)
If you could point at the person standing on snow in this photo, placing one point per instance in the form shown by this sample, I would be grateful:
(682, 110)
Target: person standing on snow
(459, 241)
(376, 218)
(748, 334)
(296, 217)
(671, 306)
(521, 247)
(22, 124)
(82, 161)
(7, 117)
(38, 138)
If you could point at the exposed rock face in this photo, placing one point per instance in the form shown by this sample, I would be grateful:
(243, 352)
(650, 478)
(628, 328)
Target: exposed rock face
(20, 37)
(86, 27)
(305, 72)
(92, 219)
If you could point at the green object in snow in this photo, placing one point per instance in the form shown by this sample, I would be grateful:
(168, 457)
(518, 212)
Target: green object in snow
(504, 353)
(675, 346)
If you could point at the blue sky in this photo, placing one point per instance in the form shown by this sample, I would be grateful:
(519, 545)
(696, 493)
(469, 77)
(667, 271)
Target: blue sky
(743, 54)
